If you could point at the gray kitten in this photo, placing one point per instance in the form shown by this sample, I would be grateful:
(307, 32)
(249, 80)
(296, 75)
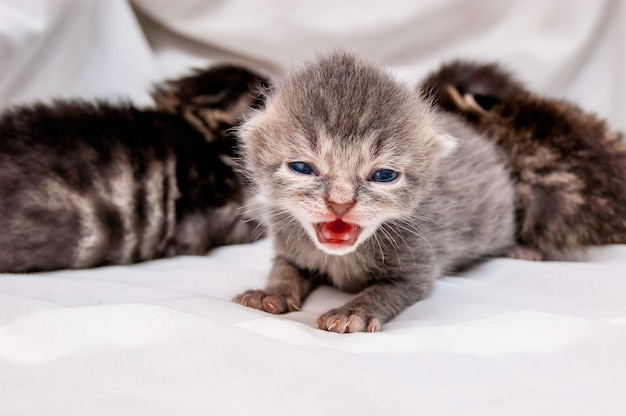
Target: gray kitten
(368, 190)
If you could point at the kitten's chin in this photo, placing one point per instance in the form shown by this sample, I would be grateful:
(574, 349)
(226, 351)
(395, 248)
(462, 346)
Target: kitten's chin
(337, 237)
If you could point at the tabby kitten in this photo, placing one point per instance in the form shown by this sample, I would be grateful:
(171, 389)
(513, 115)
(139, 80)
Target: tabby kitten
(569, 168)
(90, 184)
(368, 190)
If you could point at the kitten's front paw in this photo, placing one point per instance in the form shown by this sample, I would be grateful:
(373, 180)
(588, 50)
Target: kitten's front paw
(269, 302)
(344, 320)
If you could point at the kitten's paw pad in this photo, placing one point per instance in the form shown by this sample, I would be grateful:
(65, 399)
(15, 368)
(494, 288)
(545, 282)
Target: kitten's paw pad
(268, 302)
(346, 320)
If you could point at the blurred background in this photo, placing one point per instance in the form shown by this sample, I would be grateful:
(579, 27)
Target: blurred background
(575, 49)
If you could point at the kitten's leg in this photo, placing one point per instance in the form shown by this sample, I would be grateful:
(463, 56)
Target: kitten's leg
(286, 290)
(374, 306)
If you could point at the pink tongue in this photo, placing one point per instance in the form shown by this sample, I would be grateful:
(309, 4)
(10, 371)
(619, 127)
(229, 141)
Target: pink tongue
(338, 231)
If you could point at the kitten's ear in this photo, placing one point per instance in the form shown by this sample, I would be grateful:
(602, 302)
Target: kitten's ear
(257, 151)
(249, 132)
(165, 98)
(257, 122)
(248, 126)
(444, 143)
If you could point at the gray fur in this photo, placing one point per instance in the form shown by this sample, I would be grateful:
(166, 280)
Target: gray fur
(451, 206)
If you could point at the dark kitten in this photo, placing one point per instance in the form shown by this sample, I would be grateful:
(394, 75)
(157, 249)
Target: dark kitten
(90, 184)
(368, 190)
(569, 168)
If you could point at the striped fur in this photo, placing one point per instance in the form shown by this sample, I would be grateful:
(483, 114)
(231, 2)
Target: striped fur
(90, 184)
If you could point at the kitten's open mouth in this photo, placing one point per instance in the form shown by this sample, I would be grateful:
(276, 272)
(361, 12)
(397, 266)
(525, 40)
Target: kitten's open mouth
(337, 232)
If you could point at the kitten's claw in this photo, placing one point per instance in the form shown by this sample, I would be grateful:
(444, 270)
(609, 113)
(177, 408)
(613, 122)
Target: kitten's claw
(275, 303)
(292, 305)
(346, 320)
(373, 325)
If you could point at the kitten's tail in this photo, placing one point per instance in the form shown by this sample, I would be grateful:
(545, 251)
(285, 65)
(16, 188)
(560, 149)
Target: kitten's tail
(469, 88)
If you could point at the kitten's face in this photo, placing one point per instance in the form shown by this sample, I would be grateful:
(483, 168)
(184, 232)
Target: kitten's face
(342, 161)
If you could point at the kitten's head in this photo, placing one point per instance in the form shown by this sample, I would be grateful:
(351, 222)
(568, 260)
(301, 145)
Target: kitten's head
(211, 99)
(343, 147)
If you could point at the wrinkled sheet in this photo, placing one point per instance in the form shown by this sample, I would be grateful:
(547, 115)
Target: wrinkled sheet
(507, 337)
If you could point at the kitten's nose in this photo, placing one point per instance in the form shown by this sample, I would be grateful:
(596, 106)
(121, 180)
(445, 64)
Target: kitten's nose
(339, 209)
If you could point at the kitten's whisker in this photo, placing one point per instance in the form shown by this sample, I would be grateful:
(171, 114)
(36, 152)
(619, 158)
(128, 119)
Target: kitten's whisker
(257, 201)
(298, 231)
(256, 206)
(394, 243)
(427, 219)
(267, 216)
(285, 222)
(240, 212)
(255, 230)
(258, 236)
(384, 231)
(410, 225)
(253, 206)
(413, 229)
(279, 224)
(404, 241)
(382, 253)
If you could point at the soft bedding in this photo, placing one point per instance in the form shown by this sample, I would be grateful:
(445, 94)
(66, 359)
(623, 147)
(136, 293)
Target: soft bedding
(507, 337)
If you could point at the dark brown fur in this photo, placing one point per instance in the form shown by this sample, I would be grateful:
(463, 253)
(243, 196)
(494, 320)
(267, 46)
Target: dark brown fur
(212, 100)
(89, 184)
(568, 165)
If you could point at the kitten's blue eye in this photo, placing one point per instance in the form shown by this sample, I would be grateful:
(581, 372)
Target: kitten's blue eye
(384, 175)
(301, 168)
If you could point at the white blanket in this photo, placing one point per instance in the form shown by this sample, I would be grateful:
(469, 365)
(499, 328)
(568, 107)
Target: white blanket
(508, 337)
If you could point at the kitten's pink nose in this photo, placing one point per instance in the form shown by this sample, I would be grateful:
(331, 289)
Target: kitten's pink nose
(339, 209)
